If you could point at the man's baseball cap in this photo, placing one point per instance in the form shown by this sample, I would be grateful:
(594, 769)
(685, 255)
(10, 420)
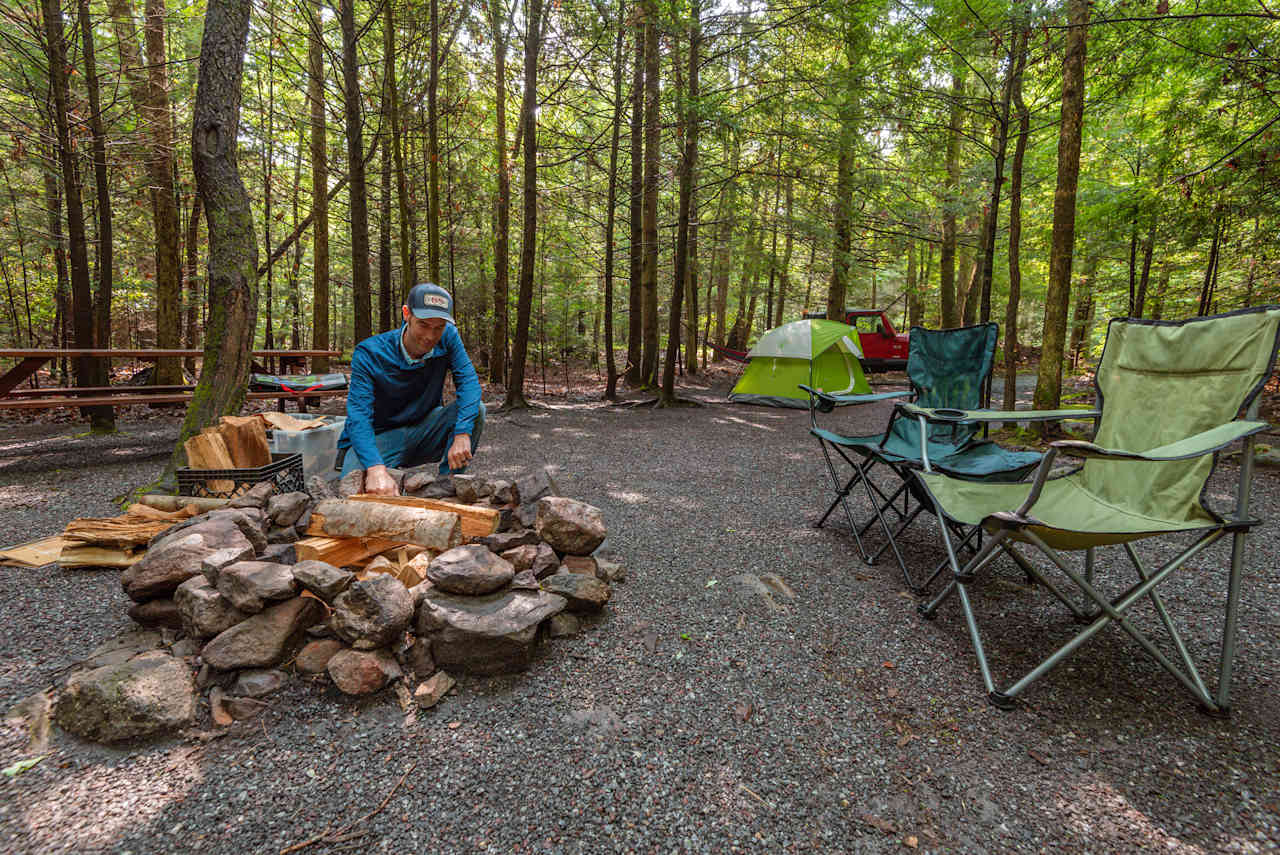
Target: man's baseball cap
(428, 300)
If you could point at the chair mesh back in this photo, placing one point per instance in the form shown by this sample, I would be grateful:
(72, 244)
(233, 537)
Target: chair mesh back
(1160, 382)
(948, 368)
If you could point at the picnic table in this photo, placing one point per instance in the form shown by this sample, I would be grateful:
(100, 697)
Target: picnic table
(31, 361)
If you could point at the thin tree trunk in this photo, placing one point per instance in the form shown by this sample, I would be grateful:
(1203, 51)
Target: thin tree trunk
(361, 299)
(295, 287)
(502, 204)
(1148, 249)
(384, 241)
(947, 285)
(433, 150)
(652, 131)
(635, 320)
(408, 276)
(1083, 312)
(233, 252)
(1210, 272)
(268, 176)
(1058, 294)
(992, 214)
(191, 336)
(529, 235)
(1015, 228)
(319, 186)
(53, 205)
(784, 272)
(611, 369)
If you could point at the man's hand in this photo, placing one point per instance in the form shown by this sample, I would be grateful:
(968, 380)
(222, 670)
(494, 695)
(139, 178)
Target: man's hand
(378, 481)
(460, 451)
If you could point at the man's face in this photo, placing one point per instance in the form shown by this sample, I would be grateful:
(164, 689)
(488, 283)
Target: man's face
(422, 334)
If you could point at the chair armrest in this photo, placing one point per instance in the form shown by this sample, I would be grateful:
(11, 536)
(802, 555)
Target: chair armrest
(942, 414)
(1199, 445)
(827, 402)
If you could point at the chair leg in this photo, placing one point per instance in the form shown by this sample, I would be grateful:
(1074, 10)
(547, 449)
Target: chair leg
(1223, 699)
(841, 496)
(1158, 602)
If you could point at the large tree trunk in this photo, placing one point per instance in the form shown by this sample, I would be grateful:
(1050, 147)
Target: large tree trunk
(81, 294)
(947, 285)
(233, 251)
(191, 336)
(688, 165)
(529, 234)
(652, 130)
(61, 294)
(361, 300)
(724, 244)
(408, 275)
(103, 419)
(268, 180)
(635, 323)
(502, 204)
(991, 215)
(611, 368)
(1015, 228)
(319, 187)
(433, 150)
(384, 238)
(1058, 294)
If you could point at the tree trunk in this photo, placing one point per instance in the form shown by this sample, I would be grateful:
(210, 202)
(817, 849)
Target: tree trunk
(688, 165)
(361, 300)
(384, 238)
(1058, 294)
(635, 321)
(103, 419)
(724, 244)
(1080, 325)
(319, 187)
(837, 294)
(652, 130)
(233, 252)
(991, 216)
(502, 204)
(295, 287)
(610, 366)
(408, 276)
(268, 180)
(1148, 248)
(191, 338)
(1015, 228)
(433, 150)
(1210, 272)
(947, 285)
(784, 271)
(529, 234)
(61, 294)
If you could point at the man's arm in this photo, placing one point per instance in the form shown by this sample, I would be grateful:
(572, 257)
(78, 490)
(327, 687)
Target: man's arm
(465, 382)
(360, 395)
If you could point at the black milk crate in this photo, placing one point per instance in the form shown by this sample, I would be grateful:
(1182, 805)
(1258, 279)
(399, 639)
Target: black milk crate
(284, 469)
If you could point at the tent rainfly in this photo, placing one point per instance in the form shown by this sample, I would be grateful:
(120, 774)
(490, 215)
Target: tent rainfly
(819, 353)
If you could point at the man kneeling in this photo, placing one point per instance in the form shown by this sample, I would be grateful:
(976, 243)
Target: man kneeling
(394, 416)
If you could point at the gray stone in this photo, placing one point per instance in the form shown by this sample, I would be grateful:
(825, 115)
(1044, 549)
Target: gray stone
(471, 569)
(264, 639)
(397, 475)
(322, 579)
(754, 584)
(315, 656)
(525, 581)
(351, 484)
(527, 515)
(319, 489)
(243, 708)
(151, 694)
(122, 648)
(285, 508)
(156, 613)
(563, 625)
(282, 534)
(535, 485)
(416, 658)
(279, 553)
(494, 634)
(585, 594)
(433, 690)
(257, 682)
(610, 571)
(505, 493)
(362, 672)
(185, 648)
(250, 585)
(372, 612)
(538, 557)
(570, 526)
(419, 478)
(205, 612)
(304, 521)
(252, 523)
(441, 488)
(502, 541)
(212, 564)
(471, 488)
(583, 564)
(255, 497)
(175, 560)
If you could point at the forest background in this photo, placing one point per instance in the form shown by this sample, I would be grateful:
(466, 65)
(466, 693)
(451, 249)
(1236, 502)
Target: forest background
(711, 169)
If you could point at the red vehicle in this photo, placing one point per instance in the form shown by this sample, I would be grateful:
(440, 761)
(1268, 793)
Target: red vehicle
(883, 347)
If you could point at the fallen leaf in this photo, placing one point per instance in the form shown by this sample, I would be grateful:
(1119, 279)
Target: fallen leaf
(1038, 757)
(876, 822)
(892, 692)
(743, 711)
(911, 841)
(862, 577)
(454, 725)
(218, 709)
(22, 766)
(889, 665)
(904, 739)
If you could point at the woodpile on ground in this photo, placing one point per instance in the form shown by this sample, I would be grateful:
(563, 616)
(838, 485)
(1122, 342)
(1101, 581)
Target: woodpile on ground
(459, 575)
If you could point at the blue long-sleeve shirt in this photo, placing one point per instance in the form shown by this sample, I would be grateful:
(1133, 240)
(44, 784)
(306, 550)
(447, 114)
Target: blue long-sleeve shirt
(389, 391)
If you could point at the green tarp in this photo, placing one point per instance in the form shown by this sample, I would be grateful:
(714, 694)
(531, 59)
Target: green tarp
(819, 353)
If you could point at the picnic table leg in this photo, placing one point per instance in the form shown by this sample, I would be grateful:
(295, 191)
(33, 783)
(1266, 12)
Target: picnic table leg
(15, 375)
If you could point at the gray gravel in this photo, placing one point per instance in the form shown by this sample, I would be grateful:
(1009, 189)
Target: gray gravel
(691, 718)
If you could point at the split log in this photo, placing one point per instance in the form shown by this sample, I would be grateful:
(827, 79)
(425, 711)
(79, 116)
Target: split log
(439, 530)
(135, 528)
(36, 553)
(207, 450)
(477, 521)
(246, 440)
(173, 503)
(98, 556)
(341, 551)
(284, 421)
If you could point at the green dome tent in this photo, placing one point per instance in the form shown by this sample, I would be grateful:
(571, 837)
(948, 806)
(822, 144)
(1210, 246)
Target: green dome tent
(819, 353)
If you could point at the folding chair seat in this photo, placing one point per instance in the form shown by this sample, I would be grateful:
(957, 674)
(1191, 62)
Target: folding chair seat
(947, 369)
(1169, 395)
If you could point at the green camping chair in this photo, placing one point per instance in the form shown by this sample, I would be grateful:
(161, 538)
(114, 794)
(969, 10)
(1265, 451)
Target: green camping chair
(1168, 396)
(949, 369)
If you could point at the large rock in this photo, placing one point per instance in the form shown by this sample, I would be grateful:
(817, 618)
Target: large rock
(570, 526)
(351, 484)
(319, 489)
(205, 612)
(256, 496)
(252, 523)
(586, 594)
(250, 585)
(536, 485)
(151, 694)
(362, 672)
(538, 557)
(504, 493)
(471, 488)
(264, 639)
(157, 613)
(373, 612)
(494, 634)
(501, 541)
(282, 534)
(213, 563)
(471, 569)
(257, 682)
(315, 656)
(285, 508)
(176, 559)
(322, 579)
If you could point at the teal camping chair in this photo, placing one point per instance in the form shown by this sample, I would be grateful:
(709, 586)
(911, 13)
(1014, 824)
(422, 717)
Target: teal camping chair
(949, 369)
(1169, 398)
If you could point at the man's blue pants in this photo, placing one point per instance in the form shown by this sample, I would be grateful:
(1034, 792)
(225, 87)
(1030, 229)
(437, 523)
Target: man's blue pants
(428, 440)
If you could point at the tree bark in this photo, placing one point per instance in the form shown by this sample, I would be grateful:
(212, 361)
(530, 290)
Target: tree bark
(652, 130)
(408, 275)
(191, 337)
(529, 235)
(611, 369)
(724, 244)
(635, 322)
(384, 234)
(233, 251)
(502, 204)
(361, 299)
(319, 187)
(947, 267)
(433, 150)
(1058, 294)
(1015, 228)
(991, 215)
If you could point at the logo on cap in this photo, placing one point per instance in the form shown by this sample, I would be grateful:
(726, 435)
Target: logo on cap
(435, 300)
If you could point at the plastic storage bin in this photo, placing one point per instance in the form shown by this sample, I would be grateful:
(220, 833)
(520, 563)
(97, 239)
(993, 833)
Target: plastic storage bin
(318, 446)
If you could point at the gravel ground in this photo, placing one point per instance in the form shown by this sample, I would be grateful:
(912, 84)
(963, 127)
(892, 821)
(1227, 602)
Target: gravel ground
(691, 718)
